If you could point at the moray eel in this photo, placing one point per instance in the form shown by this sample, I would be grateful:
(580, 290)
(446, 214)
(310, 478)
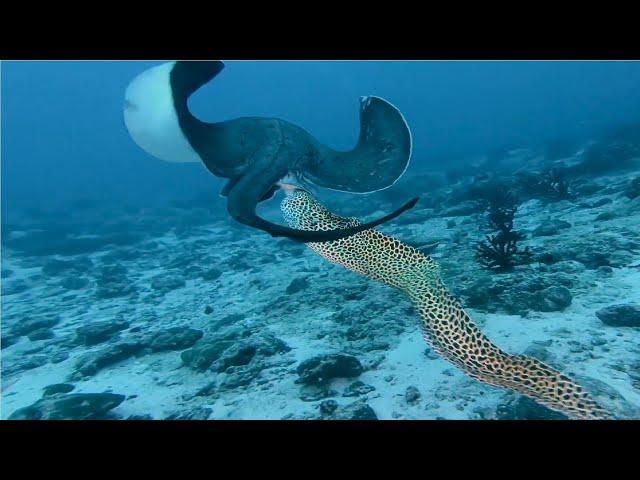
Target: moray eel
(446, 327)
(255, 153)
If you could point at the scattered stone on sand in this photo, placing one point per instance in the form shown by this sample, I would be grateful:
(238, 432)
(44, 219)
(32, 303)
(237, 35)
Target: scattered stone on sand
(197, 413)
(112, 282)
(54, 267)
(605, 216)
(550, 227)
(523, 408)
(56, 389)
(211, 274)
(552, 299)
(240, 376)
(59, 357)
(601, 202)
(165, 283)
(539, 351)
(74, 406)
(210, 388)
(27, 363)
(592, 259)
(7, 339)
(412, 395)
(236, 355)
(297, 285)
(75, 283)
(312, 393)
(174, 338)
(322, 368)
(608, 397)
(327, 407)
(201, 356)
(108, 289)
(231, 319)
(268, 345)
(430, 354)
(13, 287)
(41, 334)
(358, 410)
(99, 332)
(622, 315)
(144, 416)
(28, 325)
(92, 362)
(357, 388)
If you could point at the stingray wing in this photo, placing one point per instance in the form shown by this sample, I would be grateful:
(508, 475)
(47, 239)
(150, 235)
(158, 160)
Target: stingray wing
(378, 160)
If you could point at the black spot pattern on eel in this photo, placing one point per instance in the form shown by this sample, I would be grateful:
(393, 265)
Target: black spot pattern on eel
(445, 325)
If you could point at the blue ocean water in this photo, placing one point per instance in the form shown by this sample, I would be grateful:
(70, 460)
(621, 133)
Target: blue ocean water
(128, 289)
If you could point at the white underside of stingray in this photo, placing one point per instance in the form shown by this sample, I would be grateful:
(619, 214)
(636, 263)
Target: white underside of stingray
(151, 119)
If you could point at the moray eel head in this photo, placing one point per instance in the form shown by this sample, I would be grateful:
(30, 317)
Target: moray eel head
(302, 211)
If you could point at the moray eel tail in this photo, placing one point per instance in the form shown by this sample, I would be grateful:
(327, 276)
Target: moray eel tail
(445, 325)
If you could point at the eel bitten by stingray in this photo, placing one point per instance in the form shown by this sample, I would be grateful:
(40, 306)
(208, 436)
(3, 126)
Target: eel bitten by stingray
(445, 325)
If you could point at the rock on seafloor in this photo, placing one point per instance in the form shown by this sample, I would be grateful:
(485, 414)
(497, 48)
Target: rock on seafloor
(174, 338)
(322, 368)
(412, 395)
(99, 332)
(57, 388)
(357, 388)
(197, 413)
(28, 325)
(624, 315)
(523, 408)
(91, 363)
(358, 410)
(552, 299)
(74, 406)
(297, 285)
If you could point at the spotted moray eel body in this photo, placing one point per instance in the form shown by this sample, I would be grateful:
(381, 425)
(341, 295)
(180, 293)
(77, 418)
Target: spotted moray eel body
(445, 325)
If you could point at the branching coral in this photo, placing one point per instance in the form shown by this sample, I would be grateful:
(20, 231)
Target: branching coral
(500, 251)
(500, 197)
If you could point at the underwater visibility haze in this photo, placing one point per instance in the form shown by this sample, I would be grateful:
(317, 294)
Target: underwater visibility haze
(320, 240)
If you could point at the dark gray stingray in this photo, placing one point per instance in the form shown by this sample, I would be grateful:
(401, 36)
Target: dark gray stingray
(255, 153)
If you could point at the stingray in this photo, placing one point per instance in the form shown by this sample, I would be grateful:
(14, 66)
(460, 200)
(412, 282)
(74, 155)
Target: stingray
(257, 153)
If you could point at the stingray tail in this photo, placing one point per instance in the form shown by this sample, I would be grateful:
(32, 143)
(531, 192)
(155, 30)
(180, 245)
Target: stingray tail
(251, 188)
